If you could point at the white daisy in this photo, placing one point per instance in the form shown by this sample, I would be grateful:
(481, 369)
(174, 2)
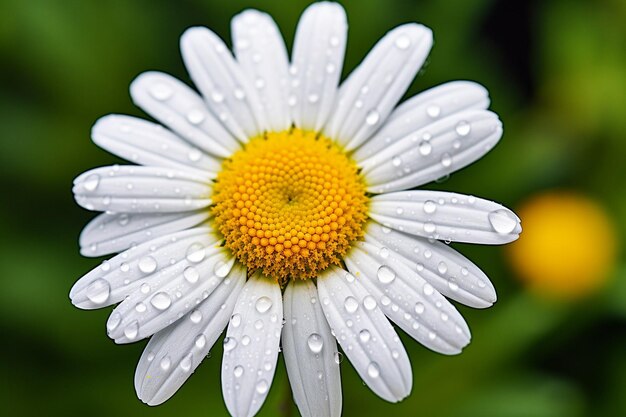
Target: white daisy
(274, 204)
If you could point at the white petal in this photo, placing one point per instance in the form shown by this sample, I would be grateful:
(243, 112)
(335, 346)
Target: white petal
(115, 232)
(448, 271)
(408, 300)
(446, 216)
(119, 276)
(146, 143)
(220, 79)
(174, 353)
(176, 105)
(432, 152)
(316, 63)
(174, 290)
(365, 335)
(137, 189)
(374, 88)
(309, 350)
(422, 110)
(261, 52)
(251, 346)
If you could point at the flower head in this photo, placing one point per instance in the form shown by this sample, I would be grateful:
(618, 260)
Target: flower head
(274, 204)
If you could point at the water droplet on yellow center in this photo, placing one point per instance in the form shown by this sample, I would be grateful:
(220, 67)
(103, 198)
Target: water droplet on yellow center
(290, 204)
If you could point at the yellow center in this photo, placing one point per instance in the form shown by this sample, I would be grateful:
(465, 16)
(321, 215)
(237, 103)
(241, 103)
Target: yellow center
(290, 204)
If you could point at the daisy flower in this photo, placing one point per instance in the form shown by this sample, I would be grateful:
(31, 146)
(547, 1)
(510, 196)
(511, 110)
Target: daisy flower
(275, 204)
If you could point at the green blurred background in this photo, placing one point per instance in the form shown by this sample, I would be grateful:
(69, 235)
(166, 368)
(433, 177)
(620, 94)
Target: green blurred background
(556, 71)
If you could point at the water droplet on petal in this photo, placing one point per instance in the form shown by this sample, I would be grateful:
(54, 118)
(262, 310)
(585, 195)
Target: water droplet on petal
(161, 91)
(433, 111)
(200, 341)
(315, 342)
(396, 161)
(262, 386)
(463, 128)
(196, 252)
(191, 274)
(165, 363)
(229, 343)
(430, 227)
(403, 42)
(92, 182)
(446, 160)
(372, 117)
(235, 320)
(222, 268)
(369, 302)
(373, 370)
(385, 274)
(98, 291)
(428, 289)
(338, 357)
(442, 267)
(131, 330)
(147, 264)
(195, 116)
(263, 304)
(419, 308)
(186, 363)
(425, 148)
(430, 207)
(238, 371)
(140, 308)
(161, 301)
(364, 335)
(350, 304)
(502, 221)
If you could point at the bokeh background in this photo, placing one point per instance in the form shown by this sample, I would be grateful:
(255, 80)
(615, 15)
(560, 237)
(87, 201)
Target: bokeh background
(556, 71)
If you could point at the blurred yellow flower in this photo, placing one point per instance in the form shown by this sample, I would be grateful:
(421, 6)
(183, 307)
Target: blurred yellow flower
(568, 247)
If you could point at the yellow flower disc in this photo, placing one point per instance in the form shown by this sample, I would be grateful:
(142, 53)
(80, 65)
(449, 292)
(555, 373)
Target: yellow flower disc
(290, 204)
(568, 247)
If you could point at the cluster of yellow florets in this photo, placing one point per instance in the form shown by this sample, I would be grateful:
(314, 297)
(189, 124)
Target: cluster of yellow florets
(289, 204)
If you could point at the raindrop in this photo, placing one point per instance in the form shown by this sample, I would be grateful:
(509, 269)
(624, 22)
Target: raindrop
(195, 116)
(229, 343)
(428, 289)
(140, 307)
(235, 320)
(196, 252)
(334, 41)
(239, 93)
(338, 357)
(131, 330)
(419, 308)
(433, 110)
(263, 304)
(502, 221)
(313, 98)
(430, 227)
(161, 301)
(259, 83)
(123, 219)
(262, 386)
(463, 128)
(385, 274)
(147, 264)
(238, 371)
(98, 291)
(384, 252)
(315, 342)
(161, 91)
(191, 274)
(373, 370)
(145, 288)
(372, 117)
(442, 267)
(364, 335)
(453, 286)
(464, 271)
(200, 341)
(425, 147)
(186, 363)
(217, 96)
(369, 302)
(222, 268)
(403, 42)
(446, 160)
(330, 68)
(396, 161)
(92, 182)
(165, 363)
(430, 206)
(350, 304)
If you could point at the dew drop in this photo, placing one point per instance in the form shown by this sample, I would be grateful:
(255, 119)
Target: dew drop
(200, 341)
(463, 128)
(140, 308)
(222, 268)
(369, 302)
(161, 91)
(446, 160)
(217, 96)
(196, 252)
(195, 116)
(235, 320)
(165, 363)
(364, 335)
(425, 148)
(262, 386)
(430, 207)
(263, 304)
(396, 161)
(403, 42)
(419, 308)
(442, 267)
(315, 342)
(161, 301)
(229, 343)
(338, 357)
(428, 289)
(502, 221)
(191, 274)
(372, 117)
(92, 182)
(186, 363)
(313, 98)
(385, 274)
(98, 291)
(238, 371)
(350, 304)
(145, 288)
(430, 227)
(131, 330)
(373, 370)
(433, 111)
(147, 264)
